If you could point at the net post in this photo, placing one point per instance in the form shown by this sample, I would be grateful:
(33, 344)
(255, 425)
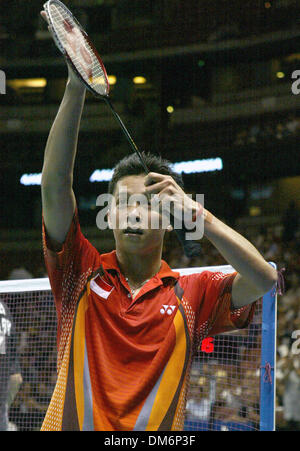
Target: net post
(268, 361)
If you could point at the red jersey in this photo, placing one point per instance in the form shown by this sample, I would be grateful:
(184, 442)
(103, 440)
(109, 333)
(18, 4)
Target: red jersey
(123, 363)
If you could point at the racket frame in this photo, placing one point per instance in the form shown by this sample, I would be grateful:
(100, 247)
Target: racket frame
(47, 8)
(61, 48)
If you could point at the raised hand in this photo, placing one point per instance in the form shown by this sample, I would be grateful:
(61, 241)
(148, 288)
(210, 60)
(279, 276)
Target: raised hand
(73, 80)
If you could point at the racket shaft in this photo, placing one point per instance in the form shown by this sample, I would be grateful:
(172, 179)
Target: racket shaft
(191, 248)
(126, 133)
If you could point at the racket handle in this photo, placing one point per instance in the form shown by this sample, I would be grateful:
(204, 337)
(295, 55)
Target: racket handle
(191, 248)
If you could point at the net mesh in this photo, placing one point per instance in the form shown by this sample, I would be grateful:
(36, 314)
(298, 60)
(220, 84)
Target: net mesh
(69, 38)
(33, 353)
(225, 381)
(224, 391)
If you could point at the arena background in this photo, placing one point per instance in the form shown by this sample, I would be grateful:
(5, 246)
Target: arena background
(217, 83)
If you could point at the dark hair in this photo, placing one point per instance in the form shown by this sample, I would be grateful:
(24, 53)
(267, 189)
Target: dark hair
(131, 165)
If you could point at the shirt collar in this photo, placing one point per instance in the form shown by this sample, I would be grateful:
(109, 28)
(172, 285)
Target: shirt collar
(109, 262)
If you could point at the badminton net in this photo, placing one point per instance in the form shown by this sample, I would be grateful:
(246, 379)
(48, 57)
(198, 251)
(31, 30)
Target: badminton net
(232, 384)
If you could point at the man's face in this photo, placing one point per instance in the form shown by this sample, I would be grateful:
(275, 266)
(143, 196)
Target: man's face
(137, 227)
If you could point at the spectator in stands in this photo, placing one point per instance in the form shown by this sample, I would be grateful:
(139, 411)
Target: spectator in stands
(293, 125)
(269, 131)
(20, 273)
(200, 400)
(281, 131)
(290, 222)
(10, 373)
(254, 134)
(291, 396)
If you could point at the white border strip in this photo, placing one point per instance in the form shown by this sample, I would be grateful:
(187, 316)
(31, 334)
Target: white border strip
(19, 286)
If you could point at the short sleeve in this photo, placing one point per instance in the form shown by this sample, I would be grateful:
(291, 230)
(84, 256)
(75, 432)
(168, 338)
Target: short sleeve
(215, 314)
(69, 269)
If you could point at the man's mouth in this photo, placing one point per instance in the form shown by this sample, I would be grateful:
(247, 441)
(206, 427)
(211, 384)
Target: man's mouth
(133, 231)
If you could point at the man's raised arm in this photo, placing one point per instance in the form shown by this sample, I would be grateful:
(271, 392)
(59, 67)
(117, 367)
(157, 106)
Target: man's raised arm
(255, 276)
(58, 198)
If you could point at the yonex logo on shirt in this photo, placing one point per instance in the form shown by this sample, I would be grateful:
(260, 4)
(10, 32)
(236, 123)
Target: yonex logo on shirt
(168, 309)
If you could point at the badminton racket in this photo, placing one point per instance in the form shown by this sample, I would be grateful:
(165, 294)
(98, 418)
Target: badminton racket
(75, 45)
(78, 50)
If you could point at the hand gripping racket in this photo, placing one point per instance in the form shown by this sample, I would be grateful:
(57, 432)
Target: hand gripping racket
(78, 50)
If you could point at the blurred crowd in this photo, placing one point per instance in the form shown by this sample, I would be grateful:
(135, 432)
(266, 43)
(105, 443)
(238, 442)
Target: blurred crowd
(35, 322)
(268, 131)
(224, 387)
(281, 245)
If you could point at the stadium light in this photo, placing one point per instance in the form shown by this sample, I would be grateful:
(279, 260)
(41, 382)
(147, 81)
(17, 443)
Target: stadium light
(188, 167)
(198, 166)
(112, 79)
(31, 179)
(101, 175)
(105, 175)
(170, 109)
(139, 80)
(27, 83)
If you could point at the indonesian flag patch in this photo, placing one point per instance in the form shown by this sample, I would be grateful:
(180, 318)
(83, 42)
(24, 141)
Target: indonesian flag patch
(100, 287)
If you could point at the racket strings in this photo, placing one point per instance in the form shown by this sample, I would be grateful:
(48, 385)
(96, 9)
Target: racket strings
(78, 49)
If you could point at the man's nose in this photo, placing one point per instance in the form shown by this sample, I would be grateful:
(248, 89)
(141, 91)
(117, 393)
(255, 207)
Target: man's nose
(134, 212)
